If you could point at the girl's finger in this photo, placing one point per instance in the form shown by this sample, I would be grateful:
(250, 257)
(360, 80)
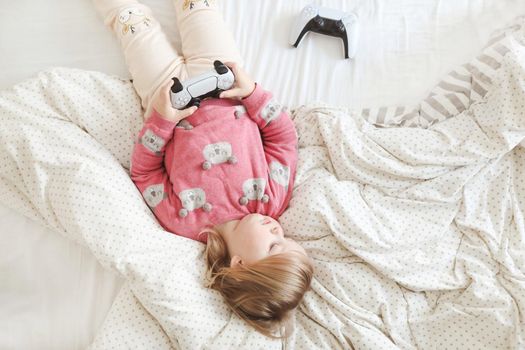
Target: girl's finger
(230, 93)
(187, 112)
(231, 64)
(167, 86)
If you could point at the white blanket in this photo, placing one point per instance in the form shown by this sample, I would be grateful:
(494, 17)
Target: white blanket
(417, 234)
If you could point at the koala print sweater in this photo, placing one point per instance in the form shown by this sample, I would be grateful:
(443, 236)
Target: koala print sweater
(230, 158)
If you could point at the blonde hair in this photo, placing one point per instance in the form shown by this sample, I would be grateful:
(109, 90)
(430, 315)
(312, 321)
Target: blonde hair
(264, 293)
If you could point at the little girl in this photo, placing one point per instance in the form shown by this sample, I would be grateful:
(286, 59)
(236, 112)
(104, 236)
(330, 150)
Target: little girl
(222, 173)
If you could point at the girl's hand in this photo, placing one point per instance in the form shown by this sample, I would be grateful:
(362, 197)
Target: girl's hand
(244, 85)
(162, 104)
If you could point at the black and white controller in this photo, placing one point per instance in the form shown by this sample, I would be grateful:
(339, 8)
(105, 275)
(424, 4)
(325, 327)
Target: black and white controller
(209, 84)
(327, 21)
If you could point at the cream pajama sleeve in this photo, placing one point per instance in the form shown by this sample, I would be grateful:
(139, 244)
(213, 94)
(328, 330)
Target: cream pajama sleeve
(151, 58)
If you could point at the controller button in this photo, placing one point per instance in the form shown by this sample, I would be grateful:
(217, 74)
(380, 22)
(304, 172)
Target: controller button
(319, 21)
(224, 83)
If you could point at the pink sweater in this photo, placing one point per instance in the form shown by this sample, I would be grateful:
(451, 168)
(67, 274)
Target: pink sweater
(230, 158)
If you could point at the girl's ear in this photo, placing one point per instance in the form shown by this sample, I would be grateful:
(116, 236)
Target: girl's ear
(236, 261)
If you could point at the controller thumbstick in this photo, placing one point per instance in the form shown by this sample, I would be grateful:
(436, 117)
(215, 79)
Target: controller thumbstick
(220, 68)
(177, 86)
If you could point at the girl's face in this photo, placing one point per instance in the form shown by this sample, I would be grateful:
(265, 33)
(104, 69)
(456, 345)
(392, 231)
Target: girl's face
(255, 237)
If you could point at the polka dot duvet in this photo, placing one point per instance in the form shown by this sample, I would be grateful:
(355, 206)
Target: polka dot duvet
(414, 216)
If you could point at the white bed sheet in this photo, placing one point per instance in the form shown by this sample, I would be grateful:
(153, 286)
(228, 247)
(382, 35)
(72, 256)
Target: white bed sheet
(53, 293)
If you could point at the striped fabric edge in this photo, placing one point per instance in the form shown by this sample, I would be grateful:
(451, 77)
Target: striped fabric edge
(457, 90)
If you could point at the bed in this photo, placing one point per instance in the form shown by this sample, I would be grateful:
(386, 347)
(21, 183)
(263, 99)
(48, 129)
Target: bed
(54, 292)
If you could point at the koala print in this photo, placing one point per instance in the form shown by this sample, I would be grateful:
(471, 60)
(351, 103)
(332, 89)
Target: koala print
(191, 3)
(279, 173)
(217, 153)
(271, 111)
(154, 194)
(131, 18)
(193, 198)
(152, 141)
(254, 188)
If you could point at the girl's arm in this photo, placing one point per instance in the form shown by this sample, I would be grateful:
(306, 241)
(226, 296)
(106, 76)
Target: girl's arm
(277, 129)
(279, 140)
(147, 160)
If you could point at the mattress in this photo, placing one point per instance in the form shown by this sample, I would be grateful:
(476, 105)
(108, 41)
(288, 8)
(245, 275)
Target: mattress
(54, 293)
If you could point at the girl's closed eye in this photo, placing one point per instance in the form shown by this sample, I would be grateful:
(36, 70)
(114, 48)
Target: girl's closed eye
(273, 246)
(266, 221)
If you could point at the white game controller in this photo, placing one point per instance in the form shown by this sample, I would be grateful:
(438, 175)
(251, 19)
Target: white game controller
(327, 21)
(210, 84)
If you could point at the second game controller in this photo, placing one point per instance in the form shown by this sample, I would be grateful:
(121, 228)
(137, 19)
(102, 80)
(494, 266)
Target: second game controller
(327, 21)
